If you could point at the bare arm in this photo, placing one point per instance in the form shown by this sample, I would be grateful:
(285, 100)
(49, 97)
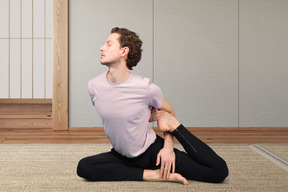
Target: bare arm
(167, 107)
(167, 136)
(167, 155)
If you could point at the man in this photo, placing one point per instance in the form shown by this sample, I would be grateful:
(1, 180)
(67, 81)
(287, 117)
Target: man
(126, 103)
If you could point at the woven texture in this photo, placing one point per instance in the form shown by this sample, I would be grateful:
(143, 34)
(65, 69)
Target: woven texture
(52, 167)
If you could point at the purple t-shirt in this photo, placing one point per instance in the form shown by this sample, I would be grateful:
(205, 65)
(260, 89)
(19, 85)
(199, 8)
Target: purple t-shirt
(125, 109)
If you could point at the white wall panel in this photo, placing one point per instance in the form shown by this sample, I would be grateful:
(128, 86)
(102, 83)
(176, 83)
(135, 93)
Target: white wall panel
(4, 68)
(15, 18)
(49, 69)
(38, 69)
(38, 18)
(27, 19)
(213, 70)
(196, 59)
(4, 18)
(49, 18)
(15, 69)
(263, 63)
(27, 91)
(26, 67)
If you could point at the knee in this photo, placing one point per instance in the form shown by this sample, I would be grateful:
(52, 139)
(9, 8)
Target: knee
(84, 170)
(221, 174)
(217, 174)
(210, 175)
(81, 170)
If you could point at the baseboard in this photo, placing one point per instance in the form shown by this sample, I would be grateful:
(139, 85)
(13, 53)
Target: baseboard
(235, 135)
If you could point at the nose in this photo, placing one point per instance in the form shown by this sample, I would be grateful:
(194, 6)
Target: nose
(102, 48)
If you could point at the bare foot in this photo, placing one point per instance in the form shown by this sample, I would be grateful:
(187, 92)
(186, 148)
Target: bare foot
(155, 175)
(167, 123)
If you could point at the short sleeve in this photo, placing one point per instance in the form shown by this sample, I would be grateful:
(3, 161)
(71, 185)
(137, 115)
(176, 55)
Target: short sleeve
(154, 96)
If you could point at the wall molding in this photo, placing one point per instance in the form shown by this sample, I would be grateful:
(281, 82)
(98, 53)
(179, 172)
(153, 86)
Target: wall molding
(220, 135)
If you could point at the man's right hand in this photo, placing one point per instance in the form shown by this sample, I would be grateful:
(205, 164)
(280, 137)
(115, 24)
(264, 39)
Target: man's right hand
(156, 114)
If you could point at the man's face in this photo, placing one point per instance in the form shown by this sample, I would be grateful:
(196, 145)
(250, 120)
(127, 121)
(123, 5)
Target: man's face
(111, 50)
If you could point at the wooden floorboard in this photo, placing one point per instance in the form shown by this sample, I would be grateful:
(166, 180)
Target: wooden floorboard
(97, 135)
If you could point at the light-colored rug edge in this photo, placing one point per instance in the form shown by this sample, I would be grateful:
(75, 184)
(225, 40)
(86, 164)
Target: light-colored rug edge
(270, 155)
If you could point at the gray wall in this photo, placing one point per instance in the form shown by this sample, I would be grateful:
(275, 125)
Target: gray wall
(220, 63)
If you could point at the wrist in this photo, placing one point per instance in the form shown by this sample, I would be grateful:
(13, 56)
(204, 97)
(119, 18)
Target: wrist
(168, 139)
(168, 144)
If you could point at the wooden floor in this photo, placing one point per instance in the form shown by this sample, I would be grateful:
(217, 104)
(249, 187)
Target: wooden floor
(97, 135)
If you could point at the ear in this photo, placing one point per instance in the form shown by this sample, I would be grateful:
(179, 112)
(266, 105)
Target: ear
(125, 51)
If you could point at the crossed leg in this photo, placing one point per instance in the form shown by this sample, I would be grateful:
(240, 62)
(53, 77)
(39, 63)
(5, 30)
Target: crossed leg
(199, 162)
(167, 123)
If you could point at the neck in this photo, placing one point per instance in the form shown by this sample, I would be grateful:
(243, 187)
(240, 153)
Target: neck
(116, 75)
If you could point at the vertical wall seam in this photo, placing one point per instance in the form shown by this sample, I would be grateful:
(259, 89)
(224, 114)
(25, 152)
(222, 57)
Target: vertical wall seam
(45, 49)
(238, 63)
(21, 49)
(153, 59)
(9, 61)
(153, 42)
(32, 49)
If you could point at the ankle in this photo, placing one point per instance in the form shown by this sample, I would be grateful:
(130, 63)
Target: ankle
(168, 123)
(173, 124)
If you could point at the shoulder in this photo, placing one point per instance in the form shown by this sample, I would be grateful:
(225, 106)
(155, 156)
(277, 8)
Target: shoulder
(146, 83)
(141, 81)
(98, 79)
(96, 82)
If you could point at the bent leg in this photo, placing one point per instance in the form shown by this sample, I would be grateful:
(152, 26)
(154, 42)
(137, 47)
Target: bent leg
(194, 170)
(107, 167)
(201, 162)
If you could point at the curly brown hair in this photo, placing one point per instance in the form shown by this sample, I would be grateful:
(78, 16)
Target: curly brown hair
(131, 40)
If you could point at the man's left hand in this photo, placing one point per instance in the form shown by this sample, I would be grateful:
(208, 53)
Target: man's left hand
(167, 158)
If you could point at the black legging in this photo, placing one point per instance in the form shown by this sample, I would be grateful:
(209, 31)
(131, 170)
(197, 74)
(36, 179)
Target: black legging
(200, 163)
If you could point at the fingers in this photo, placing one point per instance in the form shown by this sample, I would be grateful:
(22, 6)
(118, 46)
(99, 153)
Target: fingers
(158, 160)
(156, 114)
(162, 170)
(160, 113)
(166, 158)
(173, 167)
(167, 170)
